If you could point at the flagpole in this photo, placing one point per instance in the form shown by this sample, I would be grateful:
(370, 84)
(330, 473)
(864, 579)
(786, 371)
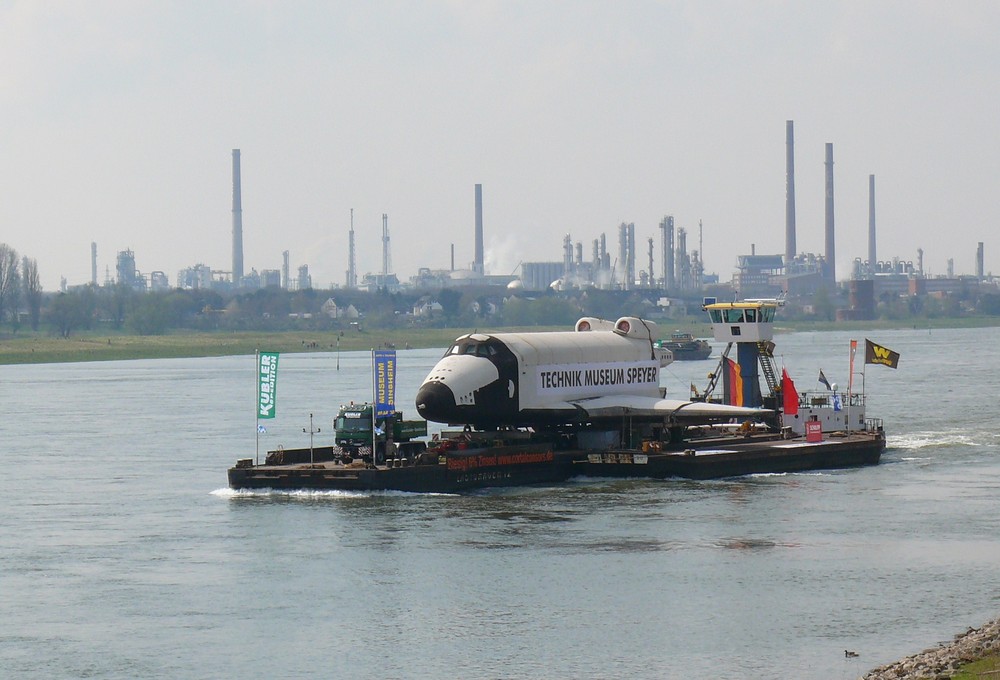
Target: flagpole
(850, 383)
(863, 393)
(256, 410)
(374, 405)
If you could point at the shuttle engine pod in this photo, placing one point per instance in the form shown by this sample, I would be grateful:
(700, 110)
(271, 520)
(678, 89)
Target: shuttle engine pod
(600, 369)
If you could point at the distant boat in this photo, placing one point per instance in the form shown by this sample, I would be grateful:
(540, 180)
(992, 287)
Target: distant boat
(686, 347)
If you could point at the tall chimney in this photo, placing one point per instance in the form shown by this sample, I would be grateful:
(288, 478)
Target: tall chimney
(831, 256)
(872, 260)
(386, 253)
(352, 268)
(979, 261)
(93, 263)
(477, 265)
(237, 221)
(789, 192)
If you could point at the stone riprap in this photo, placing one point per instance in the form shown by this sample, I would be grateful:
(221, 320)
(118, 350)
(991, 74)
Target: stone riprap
(945, 660)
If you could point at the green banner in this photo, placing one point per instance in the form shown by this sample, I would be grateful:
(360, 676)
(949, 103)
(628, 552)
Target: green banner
(267, 384)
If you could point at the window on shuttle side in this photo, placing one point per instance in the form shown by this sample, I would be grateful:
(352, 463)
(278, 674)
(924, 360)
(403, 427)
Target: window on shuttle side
(454, 349)
(751, 315)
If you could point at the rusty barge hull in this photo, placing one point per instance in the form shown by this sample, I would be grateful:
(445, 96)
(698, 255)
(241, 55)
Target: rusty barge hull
(452, 472)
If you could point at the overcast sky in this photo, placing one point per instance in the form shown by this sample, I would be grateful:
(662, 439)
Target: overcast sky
(119, 119)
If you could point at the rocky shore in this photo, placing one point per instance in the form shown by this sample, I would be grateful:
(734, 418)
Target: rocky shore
(945, 660)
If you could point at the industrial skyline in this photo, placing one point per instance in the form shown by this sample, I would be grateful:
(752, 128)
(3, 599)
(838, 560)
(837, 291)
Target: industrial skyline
(119, 134)
(679, 271)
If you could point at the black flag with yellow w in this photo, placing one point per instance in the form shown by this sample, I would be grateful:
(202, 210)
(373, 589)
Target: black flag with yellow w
(877, 354)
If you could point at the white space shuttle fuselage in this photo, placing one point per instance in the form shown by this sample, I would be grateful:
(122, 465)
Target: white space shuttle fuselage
(600, 369)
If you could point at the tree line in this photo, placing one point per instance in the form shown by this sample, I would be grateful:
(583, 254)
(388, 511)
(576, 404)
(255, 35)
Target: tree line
(121, 309)
(19, 282)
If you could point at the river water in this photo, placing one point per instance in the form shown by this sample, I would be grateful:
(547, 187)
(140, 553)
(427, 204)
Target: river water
(123, 555)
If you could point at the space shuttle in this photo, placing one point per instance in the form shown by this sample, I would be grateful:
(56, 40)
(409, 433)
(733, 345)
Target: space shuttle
(599, 370)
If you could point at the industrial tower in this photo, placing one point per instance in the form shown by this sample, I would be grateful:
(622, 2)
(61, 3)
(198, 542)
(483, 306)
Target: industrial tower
(237, 221)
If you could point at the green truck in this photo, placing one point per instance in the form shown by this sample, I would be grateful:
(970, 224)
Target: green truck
(353, 427)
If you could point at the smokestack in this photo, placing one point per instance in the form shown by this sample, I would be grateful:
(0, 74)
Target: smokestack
(789, 192)
(93, 263)
(872, 261)
(452, 257)
(477, 265)
(386, 256)
(352, 269)
(237, 221)
(630, 264)
(979, 261)
(831, 257)
(285, 272)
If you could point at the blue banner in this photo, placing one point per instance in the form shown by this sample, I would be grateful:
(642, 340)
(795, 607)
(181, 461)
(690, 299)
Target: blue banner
(384, 381)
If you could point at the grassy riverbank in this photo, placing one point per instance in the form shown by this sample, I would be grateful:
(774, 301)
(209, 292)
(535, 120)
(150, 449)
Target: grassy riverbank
(36, 348)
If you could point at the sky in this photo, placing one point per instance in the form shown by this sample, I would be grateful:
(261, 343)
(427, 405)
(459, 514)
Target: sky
(118, 121)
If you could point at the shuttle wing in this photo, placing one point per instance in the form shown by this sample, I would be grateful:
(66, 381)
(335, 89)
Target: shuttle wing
(687, 412)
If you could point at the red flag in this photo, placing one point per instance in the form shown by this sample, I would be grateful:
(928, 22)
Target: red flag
(789, 396)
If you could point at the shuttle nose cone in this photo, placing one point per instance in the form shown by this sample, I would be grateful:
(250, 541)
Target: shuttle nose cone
(435, 401)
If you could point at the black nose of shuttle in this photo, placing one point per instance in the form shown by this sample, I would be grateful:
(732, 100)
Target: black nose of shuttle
(435, 401)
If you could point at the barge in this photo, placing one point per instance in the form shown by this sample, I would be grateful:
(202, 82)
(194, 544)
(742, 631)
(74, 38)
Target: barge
(453, 470)
(686, 347)
(541, 408)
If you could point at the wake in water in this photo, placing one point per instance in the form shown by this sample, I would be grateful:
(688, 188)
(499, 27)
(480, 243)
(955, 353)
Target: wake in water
(915, 441)
(311, 494)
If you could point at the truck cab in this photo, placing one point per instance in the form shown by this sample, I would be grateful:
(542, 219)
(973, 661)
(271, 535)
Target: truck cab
(356, 431)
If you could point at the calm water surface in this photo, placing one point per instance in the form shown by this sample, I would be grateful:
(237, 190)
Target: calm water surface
(123, 555)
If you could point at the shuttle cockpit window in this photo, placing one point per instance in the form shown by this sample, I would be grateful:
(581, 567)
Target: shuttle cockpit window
(472, 348)
(751, 315)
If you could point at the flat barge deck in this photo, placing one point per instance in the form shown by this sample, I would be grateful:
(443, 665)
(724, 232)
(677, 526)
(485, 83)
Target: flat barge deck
(450, 470)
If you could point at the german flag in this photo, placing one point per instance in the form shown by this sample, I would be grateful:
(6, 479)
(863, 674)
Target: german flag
(877, 354)
(732, 382)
